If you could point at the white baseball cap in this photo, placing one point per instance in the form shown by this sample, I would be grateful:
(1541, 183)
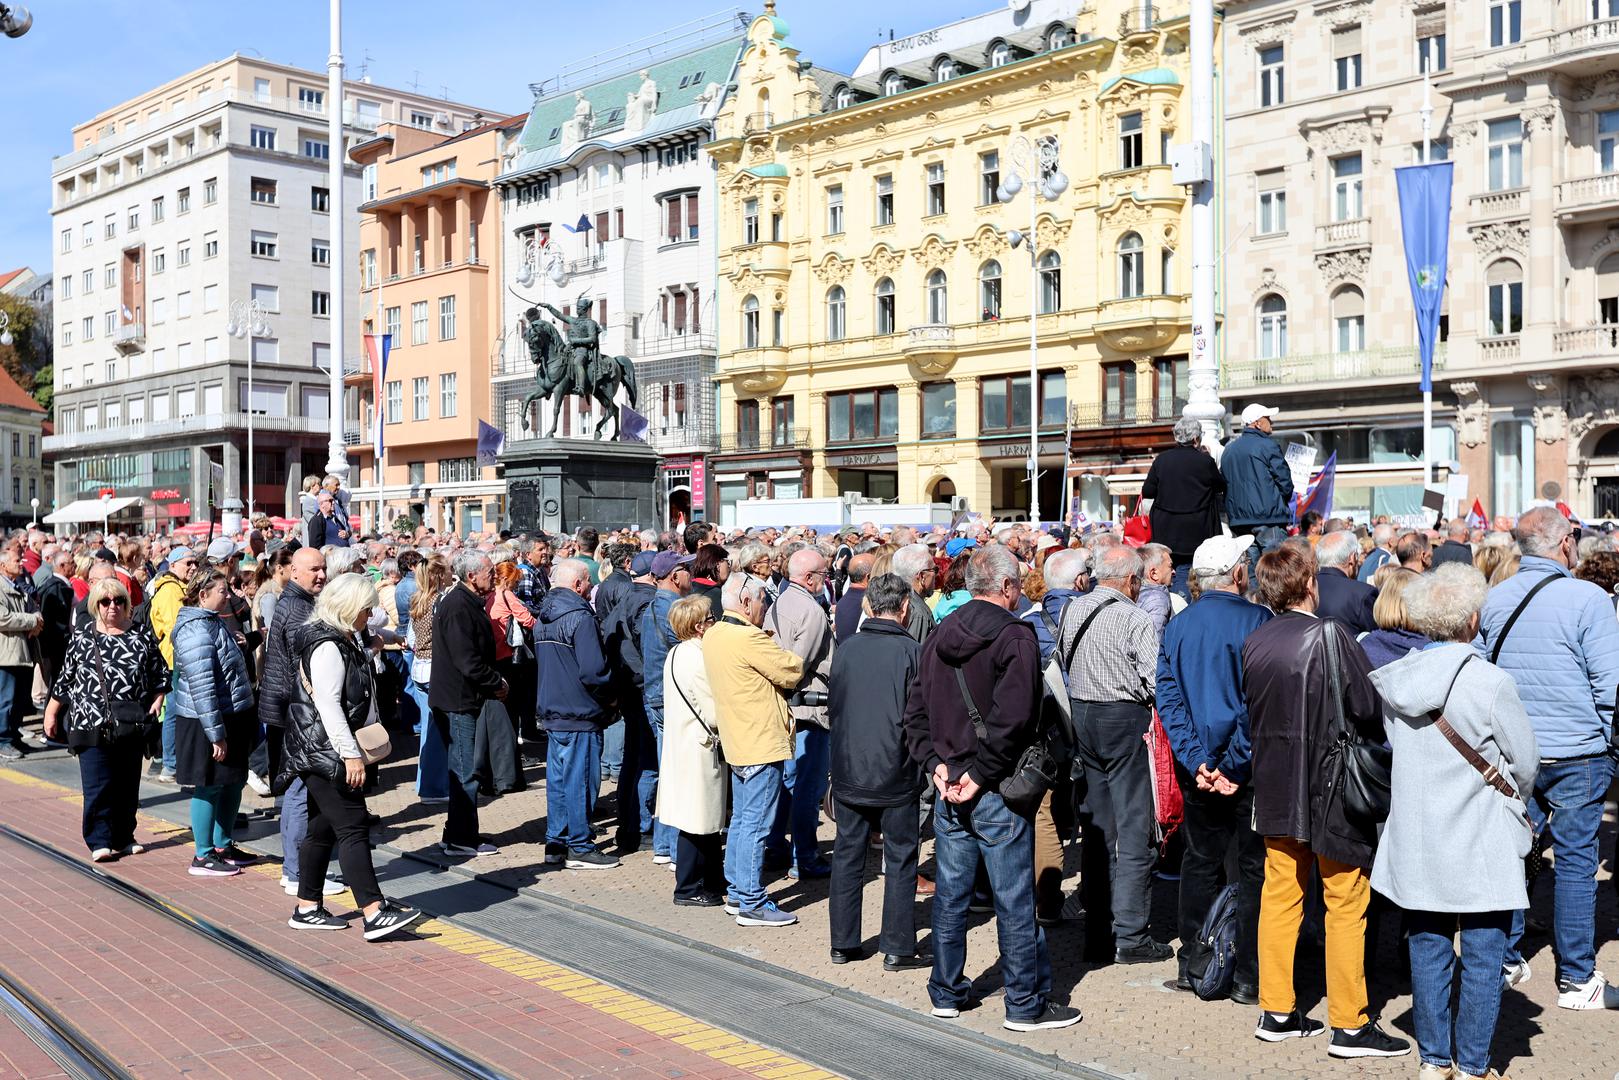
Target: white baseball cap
(1218, 554)
(1256, 412)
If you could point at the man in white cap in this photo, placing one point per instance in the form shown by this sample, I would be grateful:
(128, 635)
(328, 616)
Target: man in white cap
(1200, 701)
(1258, 483)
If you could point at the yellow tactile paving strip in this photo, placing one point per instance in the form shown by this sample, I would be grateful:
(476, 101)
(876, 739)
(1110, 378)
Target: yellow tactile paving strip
(647, 1015)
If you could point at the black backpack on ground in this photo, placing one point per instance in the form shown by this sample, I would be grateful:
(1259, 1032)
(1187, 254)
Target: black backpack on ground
(1213, 975)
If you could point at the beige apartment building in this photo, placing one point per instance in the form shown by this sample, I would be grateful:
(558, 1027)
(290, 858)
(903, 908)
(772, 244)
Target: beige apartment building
(1322, 101)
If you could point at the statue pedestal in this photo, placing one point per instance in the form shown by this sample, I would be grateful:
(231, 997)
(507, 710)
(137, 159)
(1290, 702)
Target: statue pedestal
(558, 485)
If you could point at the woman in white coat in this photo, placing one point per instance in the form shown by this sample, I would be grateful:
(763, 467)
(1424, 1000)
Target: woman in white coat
(692, 776)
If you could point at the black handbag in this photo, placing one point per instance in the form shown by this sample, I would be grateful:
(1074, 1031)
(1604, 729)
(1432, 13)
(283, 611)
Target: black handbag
(124, 718)
(1363, 771)
(1038, 768)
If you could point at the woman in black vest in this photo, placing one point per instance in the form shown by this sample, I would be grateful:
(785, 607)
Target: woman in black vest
(333, 698)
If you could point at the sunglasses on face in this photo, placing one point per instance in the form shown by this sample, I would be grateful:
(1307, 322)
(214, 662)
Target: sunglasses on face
(111, 601)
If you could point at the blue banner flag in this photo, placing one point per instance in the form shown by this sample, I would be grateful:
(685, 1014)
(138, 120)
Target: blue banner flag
(583, 226)
(1425, 225)
(491, 441)
(631, 424)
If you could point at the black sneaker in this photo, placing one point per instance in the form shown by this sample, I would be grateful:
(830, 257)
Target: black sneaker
(1295, 1025)
(700, 900)
(1053, 1016)
(1151, 953)
(235, 856)
(589, 860)
(1369, 1041)
(211, 865)
(316, 918)
(555, 854)
(389, 919)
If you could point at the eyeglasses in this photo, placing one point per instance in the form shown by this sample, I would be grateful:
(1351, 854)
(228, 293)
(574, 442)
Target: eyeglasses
(111, 601)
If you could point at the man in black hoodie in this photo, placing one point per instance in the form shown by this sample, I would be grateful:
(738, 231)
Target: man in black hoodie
(985, 655)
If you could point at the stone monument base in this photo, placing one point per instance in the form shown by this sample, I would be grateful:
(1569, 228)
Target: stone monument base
(557, 485)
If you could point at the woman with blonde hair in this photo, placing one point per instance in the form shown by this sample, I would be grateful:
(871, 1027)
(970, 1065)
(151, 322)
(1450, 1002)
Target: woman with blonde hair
(1497, 557)
(1394, 636)
(692, 777)
(334, 697)
(433, 579)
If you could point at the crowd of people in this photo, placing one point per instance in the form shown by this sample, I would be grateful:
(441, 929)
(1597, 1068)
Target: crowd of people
(1390, 726)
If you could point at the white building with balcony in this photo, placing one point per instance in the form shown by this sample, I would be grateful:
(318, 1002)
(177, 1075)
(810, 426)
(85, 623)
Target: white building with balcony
(609, 190)
(1316, 305)
(209, 189)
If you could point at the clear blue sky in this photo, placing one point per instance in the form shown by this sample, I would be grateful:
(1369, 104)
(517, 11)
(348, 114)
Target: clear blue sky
(84, 56)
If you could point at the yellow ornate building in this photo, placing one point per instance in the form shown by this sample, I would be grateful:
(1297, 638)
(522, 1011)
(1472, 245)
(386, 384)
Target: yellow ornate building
(872, 307)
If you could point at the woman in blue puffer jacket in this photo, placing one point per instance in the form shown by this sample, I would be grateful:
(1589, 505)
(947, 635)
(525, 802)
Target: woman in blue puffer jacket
(214, 721)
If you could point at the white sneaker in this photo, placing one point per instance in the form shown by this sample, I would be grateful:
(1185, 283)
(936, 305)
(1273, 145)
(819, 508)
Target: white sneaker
(461, 850)
(1514, 974)
(259, 785)
(331, 888)
(661, 860)
(101, 854)
(1593, 993)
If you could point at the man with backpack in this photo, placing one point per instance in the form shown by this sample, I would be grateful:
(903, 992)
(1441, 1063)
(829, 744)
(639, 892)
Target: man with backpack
(159, 612)
(1201, 705)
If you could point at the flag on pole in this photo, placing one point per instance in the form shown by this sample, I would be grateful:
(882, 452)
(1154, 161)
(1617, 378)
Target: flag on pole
(1425, 226)
(377, 347)
(491, 441)
(632, 426)
(583, 226)
(1568, 512)
(1475, 516)
(1318, 496)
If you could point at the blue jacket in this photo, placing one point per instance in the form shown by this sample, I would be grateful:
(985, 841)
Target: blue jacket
(573, 673)
(404, 593)
(1374, 562)
(1563, 653)
(1200, 684)
(1052, 604)
(657, 638)
(210, 676)
(1258, 485)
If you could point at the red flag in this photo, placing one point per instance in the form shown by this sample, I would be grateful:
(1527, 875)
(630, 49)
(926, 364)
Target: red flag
(1475, 516)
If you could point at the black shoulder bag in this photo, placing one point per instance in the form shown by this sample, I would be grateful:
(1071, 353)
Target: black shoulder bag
(124, 718)
(1363, 771)
(711, 738)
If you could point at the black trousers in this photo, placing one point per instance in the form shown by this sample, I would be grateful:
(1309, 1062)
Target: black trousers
(1118, 800)
(1219, 833)
(699, 866)
(900, 840)
(110, 775)
(336, 816)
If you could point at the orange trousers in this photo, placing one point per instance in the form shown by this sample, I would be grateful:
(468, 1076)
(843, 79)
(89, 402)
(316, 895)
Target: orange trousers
(1347, 890)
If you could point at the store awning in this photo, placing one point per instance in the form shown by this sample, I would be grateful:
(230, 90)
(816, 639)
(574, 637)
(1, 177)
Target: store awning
(85, 511)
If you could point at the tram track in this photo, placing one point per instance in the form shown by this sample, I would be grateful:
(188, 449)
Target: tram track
(81, 1058)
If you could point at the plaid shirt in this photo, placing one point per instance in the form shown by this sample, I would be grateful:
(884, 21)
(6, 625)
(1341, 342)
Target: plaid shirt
(532, 586)
(1118, 660)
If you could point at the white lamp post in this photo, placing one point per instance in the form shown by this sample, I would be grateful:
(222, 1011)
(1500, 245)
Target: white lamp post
(34, 504)
(5, 334)
(247, 321)
(106, 517)
(1039, 160)
(337, 461)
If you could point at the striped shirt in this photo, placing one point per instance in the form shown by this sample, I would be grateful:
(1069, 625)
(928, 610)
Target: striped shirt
(1118, 660)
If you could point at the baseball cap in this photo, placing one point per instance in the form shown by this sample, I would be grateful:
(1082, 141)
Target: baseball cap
(180, 554)
(642, 563)
(1256, 412)
(665, 563)
(221, 548)
(958, 545)
(1218, 554)
(1047, 541)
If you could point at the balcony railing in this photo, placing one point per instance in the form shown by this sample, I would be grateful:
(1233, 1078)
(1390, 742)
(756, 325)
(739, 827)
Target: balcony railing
(588, 264)
(1498, 351)
(130, 336)
(1498, 203)
(1588, 191)
(779, 439)
(207, 423)
(757, 122)
(1354, 232)
(1366, 364)
(1586, 340)
(1138, 19)
(1594, 34)
(1093, 414)
(931, 335)
(669, 344)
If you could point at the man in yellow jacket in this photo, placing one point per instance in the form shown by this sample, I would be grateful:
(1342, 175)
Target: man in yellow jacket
(163, 608)
(749, 675)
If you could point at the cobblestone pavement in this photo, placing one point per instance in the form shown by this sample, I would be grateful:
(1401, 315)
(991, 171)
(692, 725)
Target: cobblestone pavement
(1133, 1026)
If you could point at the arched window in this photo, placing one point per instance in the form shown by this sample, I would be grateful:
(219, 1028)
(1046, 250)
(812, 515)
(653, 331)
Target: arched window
(1000, 54)
(764, 105)
(1608, 290)
(885, 306)
(893, 83)
(843, 97)
(989, 290)
(944, 69)
(1348, 320)
(938, 299)
(1272, 327)
(1050, 283)
(750, 323)
(1059, 37)
(1131, 277)
(836, 322)
(1504, 285)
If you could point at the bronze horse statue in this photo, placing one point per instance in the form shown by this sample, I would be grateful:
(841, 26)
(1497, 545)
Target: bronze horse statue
(559, 364)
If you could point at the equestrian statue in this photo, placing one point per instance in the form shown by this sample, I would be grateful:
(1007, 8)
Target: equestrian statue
(571, 363)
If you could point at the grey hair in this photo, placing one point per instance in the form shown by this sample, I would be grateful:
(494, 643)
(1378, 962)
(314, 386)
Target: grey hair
(388, 566)
(738, 585)
(1208, 581)
(749, 553)
(989, 568)
(1117, 564)
(1383, 535)
(502, 554)
(342, 560)
(1336, 549)
(469, 562)
(1063, 566)
(1541, 530)
(522, 545)
(1458, 529)
(648, 538)
(1442, 602)
(911, 560)
(1154, 554)
(887, 593)
(564, 574)
(1187, 431)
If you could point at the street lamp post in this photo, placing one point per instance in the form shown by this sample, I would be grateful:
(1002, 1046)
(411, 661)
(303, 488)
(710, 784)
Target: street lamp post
(34, 505)
(337, 461)
(246, 322)
(106, 517)
(1039, 160)
(5, 334)
(540, 259)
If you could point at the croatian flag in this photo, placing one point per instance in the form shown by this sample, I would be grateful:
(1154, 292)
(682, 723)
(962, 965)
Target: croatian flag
(377, 347)
(1318, 496)
(1475, 516)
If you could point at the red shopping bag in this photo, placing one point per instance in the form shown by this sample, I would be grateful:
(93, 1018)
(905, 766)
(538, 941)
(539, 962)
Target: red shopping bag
(1169, 806)
(1137, 528)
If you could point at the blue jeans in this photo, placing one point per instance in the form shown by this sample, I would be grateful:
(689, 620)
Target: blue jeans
(1462, 1039)
(213, 816)
(433, 756)
(1568, 803)
(16, 686)
(804, 782)
(168, 727)
(646, 787)
(1266, 538)
(963, 834)
(572, 778)
(613, 749)
(1180, 582)
(294, 826)
(755, 791)
(460, 733)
